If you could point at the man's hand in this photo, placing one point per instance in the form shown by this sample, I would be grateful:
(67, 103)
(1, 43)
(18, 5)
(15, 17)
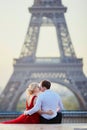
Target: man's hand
(25, 112)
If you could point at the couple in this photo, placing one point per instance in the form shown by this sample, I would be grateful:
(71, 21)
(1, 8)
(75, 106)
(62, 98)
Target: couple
(42, 106)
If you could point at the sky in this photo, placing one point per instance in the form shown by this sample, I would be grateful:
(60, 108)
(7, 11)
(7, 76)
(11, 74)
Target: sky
(14, 21)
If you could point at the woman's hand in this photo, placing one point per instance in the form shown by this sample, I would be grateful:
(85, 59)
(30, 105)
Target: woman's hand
(49, 112)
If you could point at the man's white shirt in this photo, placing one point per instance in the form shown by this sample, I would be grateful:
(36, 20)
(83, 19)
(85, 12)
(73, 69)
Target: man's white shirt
(48, 100)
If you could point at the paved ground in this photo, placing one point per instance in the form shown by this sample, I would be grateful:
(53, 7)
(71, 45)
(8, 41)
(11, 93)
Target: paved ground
(43, 127)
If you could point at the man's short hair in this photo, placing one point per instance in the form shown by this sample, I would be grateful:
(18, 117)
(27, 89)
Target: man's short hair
(46, 83)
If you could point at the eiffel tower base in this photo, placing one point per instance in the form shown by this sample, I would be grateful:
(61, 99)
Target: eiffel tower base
(67, 74)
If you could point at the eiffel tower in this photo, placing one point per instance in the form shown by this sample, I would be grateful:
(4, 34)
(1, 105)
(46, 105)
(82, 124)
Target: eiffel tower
(66, 70)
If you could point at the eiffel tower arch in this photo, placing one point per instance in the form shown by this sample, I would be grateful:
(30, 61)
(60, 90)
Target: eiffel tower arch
(66, 69)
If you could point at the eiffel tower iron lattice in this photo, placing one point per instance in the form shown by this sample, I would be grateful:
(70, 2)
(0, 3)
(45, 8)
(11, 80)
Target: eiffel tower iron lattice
(66, 69)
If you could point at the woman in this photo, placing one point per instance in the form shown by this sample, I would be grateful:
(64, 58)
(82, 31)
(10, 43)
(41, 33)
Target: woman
(32, 93)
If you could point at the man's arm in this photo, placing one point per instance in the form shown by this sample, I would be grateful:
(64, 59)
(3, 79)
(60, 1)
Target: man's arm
(60, 104)
(36, 107)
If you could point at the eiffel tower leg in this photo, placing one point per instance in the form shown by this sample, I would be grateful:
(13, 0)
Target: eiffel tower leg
(30, 44)
(65, 45)
(82, 87)
(79, 82)
(10, 92)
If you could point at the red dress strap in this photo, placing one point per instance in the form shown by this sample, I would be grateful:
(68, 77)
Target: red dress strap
(31, 104)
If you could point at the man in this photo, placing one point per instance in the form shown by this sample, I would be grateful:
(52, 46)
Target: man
(48, 100)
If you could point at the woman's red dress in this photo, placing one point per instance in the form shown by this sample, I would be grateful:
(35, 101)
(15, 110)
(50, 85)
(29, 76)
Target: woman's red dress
(26, 119)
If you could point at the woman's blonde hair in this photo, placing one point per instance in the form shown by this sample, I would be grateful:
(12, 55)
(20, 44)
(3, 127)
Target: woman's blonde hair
(31, 87)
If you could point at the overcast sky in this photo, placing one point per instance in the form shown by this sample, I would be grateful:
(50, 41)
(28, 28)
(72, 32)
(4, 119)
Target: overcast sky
(14, 20)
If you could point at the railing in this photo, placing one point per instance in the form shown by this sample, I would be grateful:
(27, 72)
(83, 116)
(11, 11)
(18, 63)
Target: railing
(74, 116)
(68, 116)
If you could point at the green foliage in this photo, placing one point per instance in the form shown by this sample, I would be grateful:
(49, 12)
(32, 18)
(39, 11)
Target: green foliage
(70, 103)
